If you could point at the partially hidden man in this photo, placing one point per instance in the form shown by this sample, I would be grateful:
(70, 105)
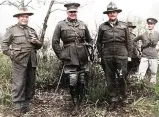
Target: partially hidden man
(135, 60)
(20, 44)
(115, 48)
(149, 52)
(74, 54)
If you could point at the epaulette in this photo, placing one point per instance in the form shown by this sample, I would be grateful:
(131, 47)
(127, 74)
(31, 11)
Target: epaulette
(31, 28)
(80, 21)
(11, 27)
(105, 23)
(123, 23)
(62, 21)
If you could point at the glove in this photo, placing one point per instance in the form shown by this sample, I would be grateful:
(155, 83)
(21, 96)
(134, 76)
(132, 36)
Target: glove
(129, 59)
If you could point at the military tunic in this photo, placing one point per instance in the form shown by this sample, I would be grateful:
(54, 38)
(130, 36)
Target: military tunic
(73, 53)
(149, 54)
(114, 45)
(16, 44)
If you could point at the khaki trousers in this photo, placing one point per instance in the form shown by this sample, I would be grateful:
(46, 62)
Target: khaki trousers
(146, 63)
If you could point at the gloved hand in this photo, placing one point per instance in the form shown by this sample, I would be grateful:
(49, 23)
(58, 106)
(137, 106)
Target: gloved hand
(35, 41)
(99, 60)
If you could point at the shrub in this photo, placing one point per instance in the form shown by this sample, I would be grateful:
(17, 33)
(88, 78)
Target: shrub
(5, 79)
(48, 72)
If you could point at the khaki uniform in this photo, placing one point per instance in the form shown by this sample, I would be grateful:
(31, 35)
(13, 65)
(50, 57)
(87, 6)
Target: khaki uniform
(149, 54)
(73, 53)
(114, 46)
(16, 44)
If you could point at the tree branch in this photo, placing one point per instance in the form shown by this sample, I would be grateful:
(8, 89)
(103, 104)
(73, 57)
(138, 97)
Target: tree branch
(42, 1)
(28, 3)
(2, 2)
(57, 10)
(19, 2)
(56, 2)
(31, 7)
(86, 4)
(12, 3)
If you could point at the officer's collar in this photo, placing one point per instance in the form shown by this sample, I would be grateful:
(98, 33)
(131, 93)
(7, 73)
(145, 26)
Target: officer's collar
(22, 26)
(151, 31)
(72, 22)
(112, 23)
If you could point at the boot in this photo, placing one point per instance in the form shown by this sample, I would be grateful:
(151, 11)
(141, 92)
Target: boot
(123, 100)
(81, 95)
(17, 113)
(73, 94)
(113, 104)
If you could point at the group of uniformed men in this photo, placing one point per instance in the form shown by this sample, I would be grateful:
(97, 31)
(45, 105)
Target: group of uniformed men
(115, 44)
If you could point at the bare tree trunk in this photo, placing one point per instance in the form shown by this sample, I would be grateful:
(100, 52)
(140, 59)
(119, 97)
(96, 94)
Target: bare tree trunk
(45, 21)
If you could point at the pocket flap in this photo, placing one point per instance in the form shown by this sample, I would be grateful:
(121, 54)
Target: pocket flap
(16, 48)
(18, 34)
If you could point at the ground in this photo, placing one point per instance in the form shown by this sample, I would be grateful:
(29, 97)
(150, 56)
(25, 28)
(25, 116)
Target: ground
(50, 104)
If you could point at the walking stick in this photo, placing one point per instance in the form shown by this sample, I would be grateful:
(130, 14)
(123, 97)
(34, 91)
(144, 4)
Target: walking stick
(60, 79)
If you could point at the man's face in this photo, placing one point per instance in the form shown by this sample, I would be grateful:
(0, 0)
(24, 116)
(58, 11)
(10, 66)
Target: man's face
(72, 15)
(151, 26)
(113, 15)
(23, 19)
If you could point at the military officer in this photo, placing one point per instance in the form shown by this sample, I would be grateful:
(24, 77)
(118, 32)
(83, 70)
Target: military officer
(149, 53)
(114, 46)
(20, 44)
(74, 54)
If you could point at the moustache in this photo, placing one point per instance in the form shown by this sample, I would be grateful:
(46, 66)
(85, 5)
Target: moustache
(113, 16)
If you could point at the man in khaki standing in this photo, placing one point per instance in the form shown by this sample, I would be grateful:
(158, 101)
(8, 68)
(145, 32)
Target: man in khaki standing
(149, 54)
(114, 46)
(20, 44)
(74, 54)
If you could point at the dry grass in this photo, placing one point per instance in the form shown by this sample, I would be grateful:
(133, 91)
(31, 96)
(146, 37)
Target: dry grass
(144, 98)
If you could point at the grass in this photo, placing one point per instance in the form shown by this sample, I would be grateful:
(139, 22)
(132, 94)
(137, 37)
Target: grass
(5, 79)
(145, 97)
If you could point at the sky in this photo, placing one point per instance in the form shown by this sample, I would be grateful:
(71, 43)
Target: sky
(91, 13)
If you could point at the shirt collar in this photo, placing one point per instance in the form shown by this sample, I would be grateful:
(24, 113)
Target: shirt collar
(22, 26)
(113, 23)
(72, 23)
(151, 31)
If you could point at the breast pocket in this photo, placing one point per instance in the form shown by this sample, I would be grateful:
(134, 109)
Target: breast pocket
(67, 32)
(81, 31)
(19, 38)
(120, 32)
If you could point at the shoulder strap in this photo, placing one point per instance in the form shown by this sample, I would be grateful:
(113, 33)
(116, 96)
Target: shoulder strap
(76, 32)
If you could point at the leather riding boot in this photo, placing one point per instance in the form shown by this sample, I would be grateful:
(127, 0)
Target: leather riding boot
(73, 94)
